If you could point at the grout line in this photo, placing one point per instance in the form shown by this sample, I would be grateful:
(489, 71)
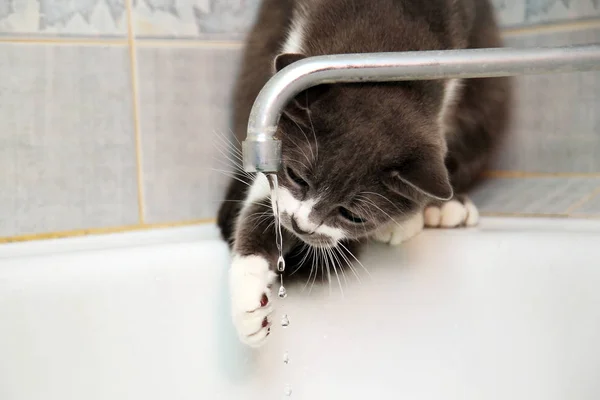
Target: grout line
(207, 221)
(524, 215)
(571, 209)
(541, 28)
(592, 217)
(102, 231)
(141, 42)
(65, 41)
(227, 44)
(527, 174)
(136, 111)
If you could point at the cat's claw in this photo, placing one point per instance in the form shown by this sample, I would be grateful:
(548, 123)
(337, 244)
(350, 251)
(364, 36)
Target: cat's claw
(395, 234)
(250, 280)
(455, 213)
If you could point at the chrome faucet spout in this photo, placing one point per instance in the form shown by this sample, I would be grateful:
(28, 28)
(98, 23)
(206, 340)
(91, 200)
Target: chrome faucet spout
(262, 149)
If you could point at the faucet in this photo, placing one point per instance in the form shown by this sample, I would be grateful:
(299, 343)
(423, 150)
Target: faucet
(262, 149)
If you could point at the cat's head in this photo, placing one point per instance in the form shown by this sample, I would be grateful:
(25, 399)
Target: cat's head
(358, 156)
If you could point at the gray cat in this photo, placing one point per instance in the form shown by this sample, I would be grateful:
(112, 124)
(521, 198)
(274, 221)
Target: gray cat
(360, 161)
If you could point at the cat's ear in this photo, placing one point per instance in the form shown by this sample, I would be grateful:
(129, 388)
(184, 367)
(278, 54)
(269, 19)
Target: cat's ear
(300, 105)
(425, 173)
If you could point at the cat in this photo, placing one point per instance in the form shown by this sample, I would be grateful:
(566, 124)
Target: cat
(363, 160)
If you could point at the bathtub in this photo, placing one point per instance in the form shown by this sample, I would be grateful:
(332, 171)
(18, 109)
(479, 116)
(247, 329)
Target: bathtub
(510, 310)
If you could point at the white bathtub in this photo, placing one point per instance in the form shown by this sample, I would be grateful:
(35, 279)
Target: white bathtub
(508, 311)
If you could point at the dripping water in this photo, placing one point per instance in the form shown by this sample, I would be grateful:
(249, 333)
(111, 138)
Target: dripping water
(282, 293)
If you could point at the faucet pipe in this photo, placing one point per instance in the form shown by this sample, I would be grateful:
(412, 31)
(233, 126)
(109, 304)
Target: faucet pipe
(262, 149)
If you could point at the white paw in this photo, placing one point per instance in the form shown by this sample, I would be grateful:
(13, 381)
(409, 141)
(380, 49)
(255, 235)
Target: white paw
(394, 234)
(251, 308)
(452, 214)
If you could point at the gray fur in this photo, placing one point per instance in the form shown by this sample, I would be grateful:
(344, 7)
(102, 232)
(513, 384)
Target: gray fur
(379, 141)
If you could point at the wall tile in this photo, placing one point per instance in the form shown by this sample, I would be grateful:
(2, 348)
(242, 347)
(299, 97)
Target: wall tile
(545, 195)
(213, 19)
(209, 19)
(60, 17)
(185, 104)
(524, 12)
(67, 158)
(231, 19)
(589, 207)
(556, 123)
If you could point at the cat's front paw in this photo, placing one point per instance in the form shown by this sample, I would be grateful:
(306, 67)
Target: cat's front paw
(455, 213)
(250, 279)
(395, 234)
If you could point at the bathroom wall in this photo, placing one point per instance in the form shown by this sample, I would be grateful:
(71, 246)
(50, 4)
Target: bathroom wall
(111, 112)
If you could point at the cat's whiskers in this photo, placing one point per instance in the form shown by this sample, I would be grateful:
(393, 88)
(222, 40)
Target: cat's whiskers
(356, 259)
(328, 269)
(305, 248)
(271, 224)
(335, 260)
(259, 218)
(236, 172)
(369, 214)
(258, 203)
(371, 203)
(317, 260)
(313, 256)
(349, 264)
(231, 175)
(227, 139)
(235, 137)
(233, 164)
(306, 137)
(312, 127)
(300, 150)
(386, 199)
(299, 162)
(230, 152)
(223, 140)
(295, 253)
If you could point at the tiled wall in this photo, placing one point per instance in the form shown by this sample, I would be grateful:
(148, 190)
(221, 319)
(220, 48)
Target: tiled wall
(110, 111)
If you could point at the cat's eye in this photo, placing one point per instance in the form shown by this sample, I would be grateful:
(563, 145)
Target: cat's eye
(294, 177)
(350, 216)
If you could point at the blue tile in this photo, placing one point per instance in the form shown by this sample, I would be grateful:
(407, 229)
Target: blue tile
(543, 195)
(67, 144)
(69, 18)
(556, 120)
(206, 19)
(525, 12)
(185, 96)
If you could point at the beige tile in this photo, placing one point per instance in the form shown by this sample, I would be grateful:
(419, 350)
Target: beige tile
(185, 103)
(57, 17)
(67, 158)
(556, 120)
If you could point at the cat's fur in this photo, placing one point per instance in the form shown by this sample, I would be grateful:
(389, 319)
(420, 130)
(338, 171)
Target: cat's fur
(379, 154)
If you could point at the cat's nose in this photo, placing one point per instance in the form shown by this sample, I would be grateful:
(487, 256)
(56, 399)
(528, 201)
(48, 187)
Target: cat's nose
(297, 229)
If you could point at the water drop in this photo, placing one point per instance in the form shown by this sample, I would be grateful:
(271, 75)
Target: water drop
(285, 321)
(288, 390)
(282, 292)
(280, 264)
(286, 358)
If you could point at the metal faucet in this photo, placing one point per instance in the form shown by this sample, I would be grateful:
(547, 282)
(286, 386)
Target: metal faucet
(262, 150)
